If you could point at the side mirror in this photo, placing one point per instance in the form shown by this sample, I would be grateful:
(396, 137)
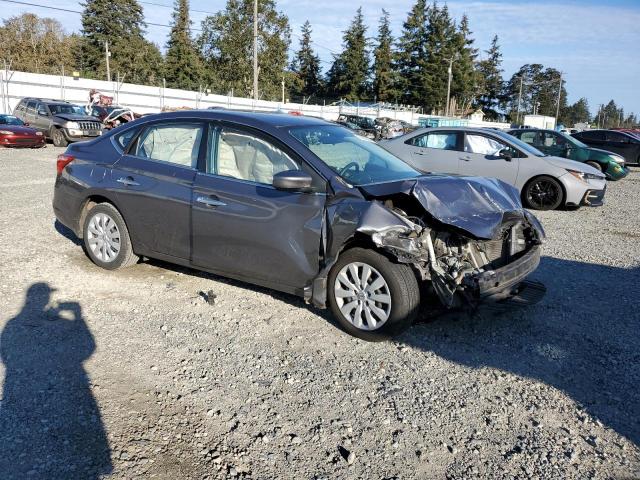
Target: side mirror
(505, 154)
(26, 124)
(292, 180)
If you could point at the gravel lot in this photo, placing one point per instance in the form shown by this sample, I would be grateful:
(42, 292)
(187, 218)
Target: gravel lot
(133, 374)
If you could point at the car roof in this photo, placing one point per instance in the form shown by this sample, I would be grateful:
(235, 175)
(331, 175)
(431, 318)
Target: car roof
(255, 119)
(460, 129)
(47, 100)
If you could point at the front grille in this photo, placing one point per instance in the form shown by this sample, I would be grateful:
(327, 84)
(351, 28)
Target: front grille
(89, 125)
(24, 140)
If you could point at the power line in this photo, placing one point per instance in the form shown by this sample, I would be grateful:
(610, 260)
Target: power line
(68, 10)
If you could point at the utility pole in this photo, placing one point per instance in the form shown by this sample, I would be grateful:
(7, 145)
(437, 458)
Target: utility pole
(449, 85)
(107, 54)
(255, 49)
(558, 105)
(519, 100)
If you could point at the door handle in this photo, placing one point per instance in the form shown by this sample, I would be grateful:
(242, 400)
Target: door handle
(465, 159)
(129, 182)
(210, 202)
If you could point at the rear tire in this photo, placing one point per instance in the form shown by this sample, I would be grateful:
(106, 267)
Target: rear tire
(106, 238)
(383, 305)
(543, 193)
(595, 165)
(57, 137)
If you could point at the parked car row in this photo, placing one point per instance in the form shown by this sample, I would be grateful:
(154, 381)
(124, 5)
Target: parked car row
(544, 182)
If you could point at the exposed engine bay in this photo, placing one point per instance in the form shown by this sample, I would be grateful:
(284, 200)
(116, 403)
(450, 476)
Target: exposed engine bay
(449, 259)
(468, 236)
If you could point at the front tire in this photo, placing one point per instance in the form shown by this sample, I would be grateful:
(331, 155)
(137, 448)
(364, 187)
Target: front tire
(106, 238)
(371, 297)
(543, 193)
(57, 137)
(595, 165)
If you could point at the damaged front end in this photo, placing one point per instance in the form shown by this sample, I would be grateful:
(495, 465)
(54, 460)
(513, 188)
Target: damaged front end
(469, 238)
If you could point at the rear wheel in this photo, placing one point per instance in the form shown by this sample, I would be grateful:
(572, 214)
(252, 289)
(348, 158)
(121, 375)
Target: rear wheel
(595, 165)
(543, 193)
(58, 138)
(106, 238)
(372, 297)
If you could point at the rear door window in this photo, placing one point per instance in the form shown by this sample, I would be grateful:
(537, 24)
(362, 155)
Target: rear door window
(177, 143)
(590, 136)
(31, 107)
(437, 140)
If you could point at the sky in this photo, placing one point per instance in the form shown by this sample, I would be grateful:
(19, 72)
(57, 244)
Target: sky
(596, 44)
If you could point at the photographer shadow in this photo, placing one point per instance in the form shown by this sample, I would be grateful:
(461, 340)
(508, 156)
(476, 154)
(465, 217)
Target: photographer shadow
(50, 424)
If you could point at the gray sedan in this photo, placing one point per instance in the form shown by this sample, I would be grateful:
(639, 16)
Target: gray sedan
(545, 182)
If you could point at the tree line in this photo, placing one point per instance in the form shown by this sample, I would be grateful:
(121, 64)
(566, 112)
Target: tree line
(412, 69)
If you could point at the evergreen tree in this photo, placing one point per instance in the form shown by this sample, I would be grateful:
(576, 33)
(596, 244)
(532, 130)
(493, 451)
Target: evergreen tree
(226, 43)
(411, 57)
(441, 50)
(490, 81)
(464, 78)
(306, 67)
(183, 67)
(539, 92)
(119, 22)
(347, 77)
(577, 113)
(383, 74)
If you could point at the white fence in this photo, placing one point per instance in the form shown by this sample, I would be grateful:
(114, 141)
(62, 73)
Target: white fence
(15, 85)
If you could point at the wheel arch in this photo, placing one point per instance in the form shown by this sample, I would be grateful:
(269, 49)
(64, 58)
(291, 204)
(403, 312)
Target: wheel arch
(88, 203)
(535, 177)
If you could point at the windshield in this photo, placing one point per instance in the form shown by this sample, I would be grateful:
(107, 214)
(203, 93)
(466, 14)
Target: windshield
(520, 144)
(58, 108)
(356, 159)
(10, 120)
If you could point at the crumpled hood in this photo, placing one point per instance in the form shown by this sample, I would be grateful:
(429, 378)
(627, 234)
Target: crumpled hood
(76, 118)
(476, 205)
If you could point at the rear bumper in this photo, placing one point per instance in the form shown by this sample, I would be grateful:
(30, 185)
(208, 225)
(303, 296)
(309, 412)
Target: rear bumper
(508, 283)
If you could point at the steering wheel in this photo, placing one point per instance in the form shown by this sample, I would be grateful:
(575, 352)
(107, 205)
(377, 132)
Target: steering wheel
(344, 169)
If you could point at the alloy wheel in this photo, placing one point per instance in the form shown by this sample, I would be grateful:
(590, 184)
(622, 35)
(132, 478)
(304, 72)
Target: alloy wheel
(103, 237)
(363, 296)
(543, 193)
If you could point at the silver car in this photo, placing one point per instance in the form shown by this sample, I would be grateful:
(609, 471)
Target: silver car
(545, 182)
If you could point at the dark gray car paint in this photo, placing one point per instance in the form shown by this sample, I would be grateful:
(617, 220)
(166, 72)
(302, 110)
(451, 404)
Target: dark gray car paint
(285, 240)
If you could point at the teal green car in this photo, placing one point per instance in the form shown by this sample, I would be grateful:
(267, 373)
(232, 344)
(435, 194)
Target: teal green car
(558, 144)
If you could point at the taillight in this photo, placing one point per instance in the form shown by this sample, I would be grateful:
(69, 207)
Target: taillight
(63, 160)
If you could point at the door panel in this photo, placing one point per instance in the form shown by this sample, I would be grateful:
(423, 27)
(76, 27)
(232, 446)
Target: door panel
(255, 231)
(242, 225)
(436, 152)
(481, 158)
(155, 199)
(154, 185)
